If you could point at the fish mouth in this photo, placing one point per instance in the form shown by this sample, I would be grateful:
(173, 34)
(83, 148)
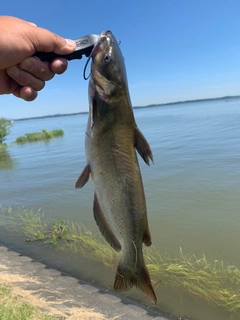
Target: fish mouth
(98, 47)
(106, 33)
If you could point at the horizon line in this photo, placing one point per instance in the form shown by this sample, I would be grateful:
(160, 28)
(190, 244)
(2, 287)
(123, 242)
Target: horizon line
(135, 107)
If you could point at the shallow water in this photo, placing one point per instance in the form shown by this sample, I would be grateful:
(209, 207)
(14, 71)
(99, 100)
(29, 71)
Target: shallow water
(192, 190)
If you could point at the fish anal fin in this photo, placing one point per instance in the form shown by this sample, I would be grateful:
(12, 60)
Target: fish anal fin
(142, 146)
(104, 226)
(83, 178)
(125, 279)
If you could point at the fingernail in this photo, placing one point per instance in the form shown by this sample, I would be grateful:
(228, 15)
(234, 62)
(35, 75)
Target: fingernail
(13, 71)
(70, 43)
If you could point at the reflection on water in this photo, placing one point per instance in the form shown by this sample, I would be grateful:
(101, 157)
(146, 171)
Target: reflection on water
(6, 161)
(192, 192)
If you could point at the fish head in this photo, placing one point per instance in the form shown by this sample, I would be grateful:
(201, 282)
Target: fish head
(108, 72)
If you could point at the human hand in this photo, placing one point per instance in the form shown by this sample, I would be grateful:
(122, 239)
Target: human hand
(20, 73)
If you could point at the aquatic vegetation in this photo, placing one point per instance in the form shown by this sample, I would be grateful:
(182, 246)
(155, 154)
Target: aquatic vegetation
(37, 136)
(6, 161)
(213, 281)
(23, 221)
(3, 147)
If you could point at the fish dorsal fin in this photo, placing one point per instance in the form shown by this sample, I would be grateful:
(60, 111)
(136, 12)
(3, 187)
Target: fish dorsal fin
(142, 146)
(104, 225)
(83, 178)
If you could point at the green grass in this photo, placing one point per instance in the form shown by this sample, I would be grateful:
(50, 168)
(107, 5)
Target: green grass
(212, 281)
(38, 136)
(12, 307)
(23, 221)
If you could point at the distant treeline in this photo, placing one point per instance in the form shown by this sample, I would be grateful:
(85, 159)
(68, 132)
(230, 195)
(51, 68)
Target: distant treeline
(186, 101)
(52, 116)
(135, 107)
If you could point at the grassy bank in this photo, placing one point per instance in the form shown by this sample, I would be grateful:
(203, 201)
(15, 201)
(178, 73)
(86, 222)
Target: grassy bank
(12, 307)
(38, 136)
(212, 281)
(19, 304)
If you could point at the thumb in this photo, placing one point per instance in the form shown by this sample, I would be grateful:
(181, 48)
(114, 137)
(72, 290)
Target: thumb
(46, 41)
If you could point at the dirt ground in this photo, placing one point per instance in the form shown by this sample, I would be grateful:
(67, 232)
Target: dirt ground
(28, 297)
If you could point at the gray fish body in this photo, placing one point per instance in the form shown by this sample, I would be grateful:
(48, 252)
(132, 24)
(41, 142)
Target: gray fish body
(115, 173)
(111, 139)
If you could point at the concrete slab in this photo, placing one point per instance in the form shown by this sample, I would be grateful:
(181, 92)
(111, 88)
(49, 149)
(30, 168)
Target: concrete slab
(64, 292)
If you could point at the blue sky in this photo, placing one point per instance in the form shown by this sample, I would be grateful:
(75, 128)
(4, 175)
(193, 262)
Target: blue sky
(174, 50)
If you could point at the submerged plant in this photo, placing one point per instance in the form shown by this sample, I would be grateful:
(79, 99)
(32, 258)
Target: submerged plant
(212, 281)
(23, 221)
(58, 232)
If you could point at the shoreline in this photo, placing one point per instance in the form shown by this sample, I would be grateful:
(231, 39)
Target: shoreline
(63, 296)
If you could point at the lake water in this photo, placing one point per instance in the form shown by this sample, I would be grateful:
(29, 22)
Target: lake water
(192, 190)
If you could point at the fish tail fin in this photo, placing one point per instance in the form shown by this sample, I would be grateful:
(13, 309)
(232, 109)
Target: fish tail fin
(125, 279)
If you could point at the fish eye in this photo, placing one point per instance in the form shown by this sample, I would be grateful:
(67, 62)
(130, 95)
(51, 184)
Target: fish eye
(108, 58)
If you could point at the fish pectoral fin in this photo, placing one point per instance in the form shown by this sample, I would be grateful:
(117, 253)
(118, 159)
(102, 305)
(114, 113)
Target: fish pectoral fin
(83, 178)
(142, 146)
(104, 226)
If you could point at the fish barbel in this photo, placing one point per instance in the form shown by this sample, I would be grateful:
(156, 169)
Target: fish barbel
(111, 139)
